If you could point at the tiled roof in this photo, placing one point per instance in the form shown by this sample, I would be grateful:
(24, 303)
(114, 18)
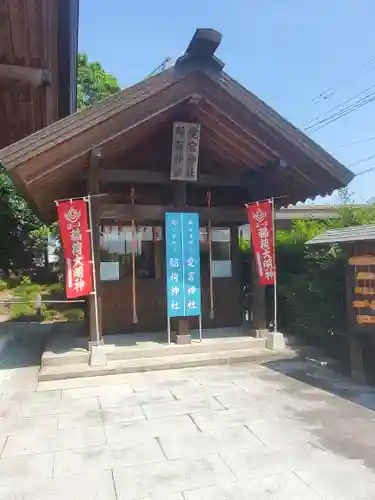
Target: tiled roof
(345, 235)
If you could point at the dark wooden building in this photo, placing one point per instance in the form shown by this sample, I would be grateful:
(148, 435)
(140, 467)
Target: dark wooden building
(121, 148)
(38, 48)
(358, 243)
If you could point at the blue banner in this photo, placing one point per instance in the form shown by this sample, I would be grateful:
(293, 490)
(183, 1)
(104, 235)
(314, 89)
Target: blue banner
(182, 264)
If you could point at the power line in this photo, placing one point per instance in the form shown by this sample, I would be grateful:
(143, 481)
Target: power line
(360, 141)
(340, 114)
(362, 160)
(330, 91)
(167, 63)
(371, 169)
(337, 106)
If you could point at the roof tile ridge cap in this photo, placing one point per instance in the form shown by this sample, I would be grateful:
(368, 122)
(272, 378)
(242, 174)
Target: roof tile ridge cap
(83, 113)
(304, 139)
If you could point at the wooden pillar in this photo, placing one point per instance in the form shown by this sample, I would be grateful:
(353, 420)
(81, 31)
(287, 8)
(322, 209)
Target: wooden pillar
(93, 189)
(258, 303)
(179, 199)
(235, 257)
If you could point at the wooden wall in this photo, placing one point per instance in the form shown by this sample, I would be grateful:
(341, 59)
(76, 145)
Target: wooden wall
(117, 305)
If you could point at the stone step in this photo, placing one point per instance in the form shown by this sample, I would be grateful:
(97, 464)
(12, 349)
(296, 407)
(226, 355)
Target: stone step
(154, 350)
(258, 355)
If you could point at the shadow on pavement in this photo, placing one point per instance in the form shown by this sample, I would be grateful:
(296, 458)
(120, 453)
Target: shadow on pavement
(325, 379)
(22, 344)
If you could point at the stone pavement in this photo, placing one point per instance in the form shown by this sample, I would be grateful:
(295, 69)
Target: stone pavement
(285, 431)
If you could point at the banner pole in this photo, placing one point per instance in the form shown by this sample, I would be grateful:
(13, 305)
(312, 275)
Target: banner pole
(200, 328)
(274, 268)
(169, 330)
(96, 309)
(135, 317)
(212, 312)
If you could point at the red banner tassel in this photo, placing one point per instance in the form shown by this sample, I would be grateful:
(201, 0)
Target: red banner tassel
(209, 231)
(135, 317)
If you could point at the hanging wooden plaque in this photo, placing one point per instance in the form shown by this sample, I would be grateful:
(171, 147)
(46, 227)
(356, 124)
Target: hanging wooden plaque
(185, 151)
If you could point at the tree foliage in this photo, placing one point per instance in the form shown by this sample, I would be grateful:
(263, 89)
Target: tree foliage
(17, 221)
(93, 83)
(311, 280)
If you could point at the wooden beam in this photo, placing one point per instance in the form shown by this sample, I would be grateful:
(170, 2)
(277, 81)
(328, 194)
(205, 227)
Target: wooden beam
(152, 177)
(152, 213)
(243, 148)
(34, 76)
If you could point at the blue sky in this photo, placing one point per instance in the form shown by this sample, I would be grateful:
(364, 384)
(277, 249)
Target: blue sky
(285, 51)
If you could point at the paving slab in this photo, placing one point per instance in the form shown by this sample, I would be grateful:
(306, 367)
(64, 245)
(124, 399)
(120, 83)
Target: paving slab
(279, 487)
(28, 469)
(205, 443)
(121, 434)
(80, 419)
(80, 487)
(99, 458)
(107, 380)
(19, 425)
(18, 444)
(333, 477)
(283, 430)
(40, 408)
(162, 410)
(110, 399)
(214, 421)
(162, 379)
(208, 389)
(170, 477)
(96, 391)
(254, 463)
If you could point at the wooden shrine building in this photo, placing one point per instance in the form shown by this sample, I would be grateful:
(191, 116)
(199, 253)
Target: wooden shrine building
(38, 50)
(358, 244)
(124, 148)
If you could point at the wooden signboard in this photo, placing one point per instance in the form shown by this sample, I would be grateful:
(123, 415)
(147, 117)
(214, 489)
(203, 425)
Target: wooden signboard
(362, 260)
(364, 319)
(364, 276)
(185, 151)
(364, 288)
(364, 304)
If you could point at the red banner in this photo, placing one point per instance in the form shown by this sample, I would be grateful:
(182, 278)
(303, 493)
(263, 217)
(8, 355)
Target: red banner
(76, 244)
(260, 220)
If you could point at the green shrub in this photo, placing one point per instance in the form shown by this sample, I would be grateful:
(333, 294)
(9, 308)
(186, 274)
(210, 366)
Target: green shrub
(3, 286)
(74, 314)
(26, 281)
(55, 288)
(19, 311)
(51, 314)
(28, 291)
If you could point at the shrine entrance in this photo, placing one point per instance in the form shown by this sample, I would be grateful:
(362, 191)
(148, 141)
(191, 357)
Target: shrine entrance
(189, 139)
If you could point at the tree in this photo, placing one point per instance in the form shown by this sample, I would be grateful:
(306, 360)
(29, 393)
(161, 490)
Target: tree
(17, 221)
(93, 83)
